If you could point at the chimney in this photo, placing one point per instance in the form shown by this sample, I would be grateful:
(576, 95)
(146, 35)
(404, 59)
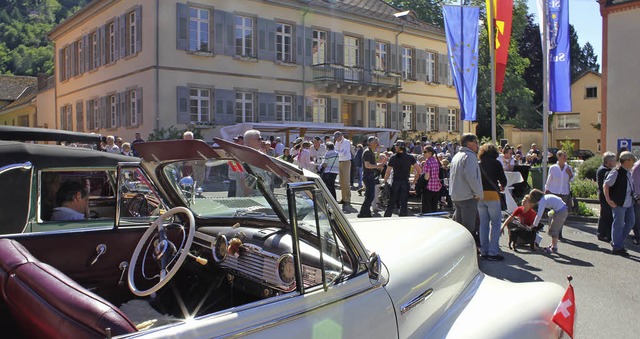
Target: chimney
(42, 81)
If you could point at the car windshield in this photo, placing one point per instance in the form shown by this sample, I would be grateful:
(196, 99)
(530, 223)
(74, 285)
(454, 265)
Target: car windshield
(225, 187)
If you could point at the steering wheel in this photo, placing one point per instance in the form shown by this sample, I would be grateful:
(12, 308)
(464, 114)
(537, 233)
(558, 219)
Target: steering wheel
(165, 253)
(138, 206)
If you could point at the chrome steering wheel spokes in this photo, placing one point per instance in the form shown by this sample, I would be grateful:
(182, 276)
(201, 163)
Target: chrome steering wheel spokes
(162, 250)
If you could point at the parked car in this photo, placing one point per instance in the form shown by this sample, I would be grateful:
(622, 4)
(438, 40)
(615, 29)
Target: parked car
(227, 242)
(583, 154)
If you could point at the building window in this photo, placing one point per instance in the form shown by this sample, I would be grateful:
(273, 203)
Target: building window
(431, 67)
(199, 104)
(381, 114)
(79, 58)
(133, 108)
(284, 35)
(431, 118)
(111, 42)
(351, 51)
(284, 106)
(381, 56)
(23, 120)
(113, 111)
(66, 120)
(319, 47)
(568, 121)
(452, 120)
(407, 63)
(96, 114)
(95, 57)
(198, 29)
(67, 63)
(131, 22)
(244, 36)
(592, 92)
(244, 107)
(319, 110)
(407, 115)
(600, 117)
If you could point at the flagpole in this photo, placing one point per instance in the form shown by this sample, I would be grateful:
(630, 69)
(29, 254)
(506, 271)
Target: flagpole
(462, 66)
(545, 89)
(492, 41)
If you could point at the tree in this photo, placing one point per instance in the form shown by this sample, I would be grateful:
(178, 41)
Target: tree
(427, 11)
(589, 58)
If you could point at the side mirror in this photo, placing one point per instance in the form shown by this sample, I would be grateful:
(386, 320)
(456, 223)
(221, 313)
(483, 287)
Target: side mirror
(374, 266)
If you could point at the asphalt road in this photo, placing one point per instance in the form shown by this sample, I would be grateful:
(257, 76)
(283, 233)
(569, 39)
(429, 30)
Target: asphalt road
(607, 287)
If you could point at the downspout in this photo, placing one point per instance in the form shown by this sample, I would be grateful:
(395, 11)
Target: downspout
(302, 62)
(399, 61)
(157, 66)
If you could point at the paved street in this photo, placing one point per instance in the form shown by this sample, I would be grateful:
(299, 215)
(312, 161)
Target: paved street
(606, 286)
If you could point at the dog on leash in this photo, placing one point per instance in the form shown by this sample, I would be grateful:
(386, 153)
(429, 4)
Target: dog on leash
(520, 234)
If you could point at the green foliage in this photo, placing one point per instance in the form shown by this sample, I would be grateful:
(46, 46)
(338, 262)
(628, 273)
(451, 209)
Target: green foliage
(589, 168)
(567, 146)
(584, 188)
(584, 210)
(24, 24)
(172, 133)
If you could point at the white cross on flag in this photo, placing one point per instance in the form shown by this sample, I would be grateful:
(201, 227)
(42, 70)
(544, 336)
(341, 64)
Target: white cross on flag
(565, 313)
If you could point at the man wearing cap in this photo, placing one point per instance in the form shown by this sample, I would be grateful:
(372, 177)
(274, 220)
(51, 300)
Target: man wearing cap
(343, 147)
(370, 172)
(465, 183)
(618, 191)
(401, 163)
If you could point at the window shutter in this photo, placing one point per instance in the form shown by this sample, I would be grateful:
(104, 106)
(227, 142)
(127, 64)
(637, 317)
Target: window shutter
(271, 39)
(335, 110)
(308, 40)
(102, 116)
(421, 65)
(116, 39)
(61, 64)
(263, 49)
(140, 112)
(123, 109)
(182, 34)
(72, 52)
(230, 25)
(368, 61)
(442, 119)
(299, 116)
(88, 120)
(225, 107)
(339, 48)
(79, 116)
(372, 114)
(62, 120)
(393, 116)
(393, 58)
(218, 25)
(118, 112)
(101, 46)
(123, 35)
(184, 116)
(443, 64)
(212, 32)
(220, 107)
(308, 109)
(299, 44)
(421, 115)
(138, 29)
(86, 56)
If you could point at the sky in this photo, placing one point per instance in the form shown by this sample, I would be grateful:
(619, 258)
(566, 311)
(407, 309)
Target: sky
(585, 17)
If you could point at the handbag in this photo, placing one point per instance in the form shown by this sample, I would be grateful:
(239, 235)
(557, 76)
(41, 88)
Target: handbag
(503, 198)
(421, 185)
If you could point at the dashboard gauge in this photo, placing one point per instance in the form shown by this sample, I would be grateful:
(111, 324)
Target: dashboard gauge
(220, 248)
(286, 269)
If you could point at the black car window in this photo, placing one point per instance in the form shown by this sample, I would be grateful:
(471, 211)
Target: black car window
(16, 205)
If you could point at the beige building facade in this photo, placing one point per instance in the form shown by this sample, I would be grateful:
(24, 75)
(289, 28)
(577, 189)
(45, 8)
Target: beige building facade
(133, 66)
(620, 72)
(582, 125)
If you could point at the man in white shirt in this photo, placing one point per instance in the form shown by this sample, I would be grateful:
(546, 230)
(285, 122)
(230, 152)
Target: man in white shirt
(559, 178)
(317, 150)
(279, 147)
(343, 147)
(111, 146)
(73, 201)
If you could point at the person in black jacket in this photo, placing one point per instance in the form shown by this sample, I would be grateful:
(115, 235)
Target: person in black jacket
(606, 217)
(489, 209)
(618, 191)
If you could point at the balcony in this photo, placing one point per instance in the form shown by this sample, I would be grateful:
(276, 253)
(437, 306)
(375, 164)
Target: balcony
(332, 78)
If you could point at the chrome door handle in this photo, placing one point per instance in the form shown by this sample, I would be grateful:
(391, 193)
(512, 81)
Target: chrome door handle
(100, 250)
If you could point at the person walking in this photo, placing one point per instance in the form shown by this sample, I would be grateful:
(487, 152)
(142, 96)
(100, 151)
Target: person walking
(605, 220)
(370, 176)
(560, 178)
(400, 164)
(556, 219)
(618, 191)
(343, 147)
(635, 175)
(489, 209)
(431, 169)
(330, 168)
(465, 186)
(357, 160)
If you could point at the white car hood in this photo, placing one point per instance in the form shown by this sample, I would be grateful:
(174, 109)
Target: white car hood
(429, 255)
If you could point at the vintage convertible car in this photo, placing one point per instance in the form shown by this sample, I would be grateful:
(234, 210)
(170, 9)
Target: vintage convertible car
(226, 242)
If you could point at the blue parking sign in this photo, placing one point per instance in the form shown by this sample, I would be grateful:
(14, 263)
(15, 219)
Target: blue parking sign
(626, 143)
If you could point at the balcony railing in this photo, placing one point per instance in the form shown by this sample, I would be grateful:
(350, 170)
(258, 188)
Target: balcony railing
(333, 78)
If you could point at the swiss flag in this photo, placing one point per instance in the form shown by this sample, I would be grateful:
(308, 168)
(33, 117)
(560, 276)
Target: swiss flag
(565, 313)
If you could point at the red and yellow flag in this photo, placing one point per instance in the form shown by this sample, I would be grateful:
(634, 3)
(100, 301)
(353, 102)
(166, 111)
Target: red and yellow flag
(501, 16)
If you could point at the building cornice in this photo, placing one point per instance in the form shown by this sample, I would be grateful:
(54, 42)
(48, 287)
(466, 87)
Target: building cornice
(78, 18)
(607, 8)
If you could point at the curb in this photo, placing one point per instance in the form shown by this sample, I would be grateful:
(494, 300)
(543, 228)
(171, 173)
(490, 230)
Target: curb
(582, 219)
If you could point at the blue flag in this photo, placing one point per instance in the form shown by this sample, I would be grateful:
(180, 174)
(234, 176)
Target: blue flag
(461, 27)
(559, 58)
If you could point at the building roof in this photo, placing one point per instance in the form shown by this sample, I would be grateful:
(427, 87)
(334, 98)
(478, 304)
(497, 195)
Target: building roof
(618, 2)
(12, 87)
(27, 95)
(581, 75)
